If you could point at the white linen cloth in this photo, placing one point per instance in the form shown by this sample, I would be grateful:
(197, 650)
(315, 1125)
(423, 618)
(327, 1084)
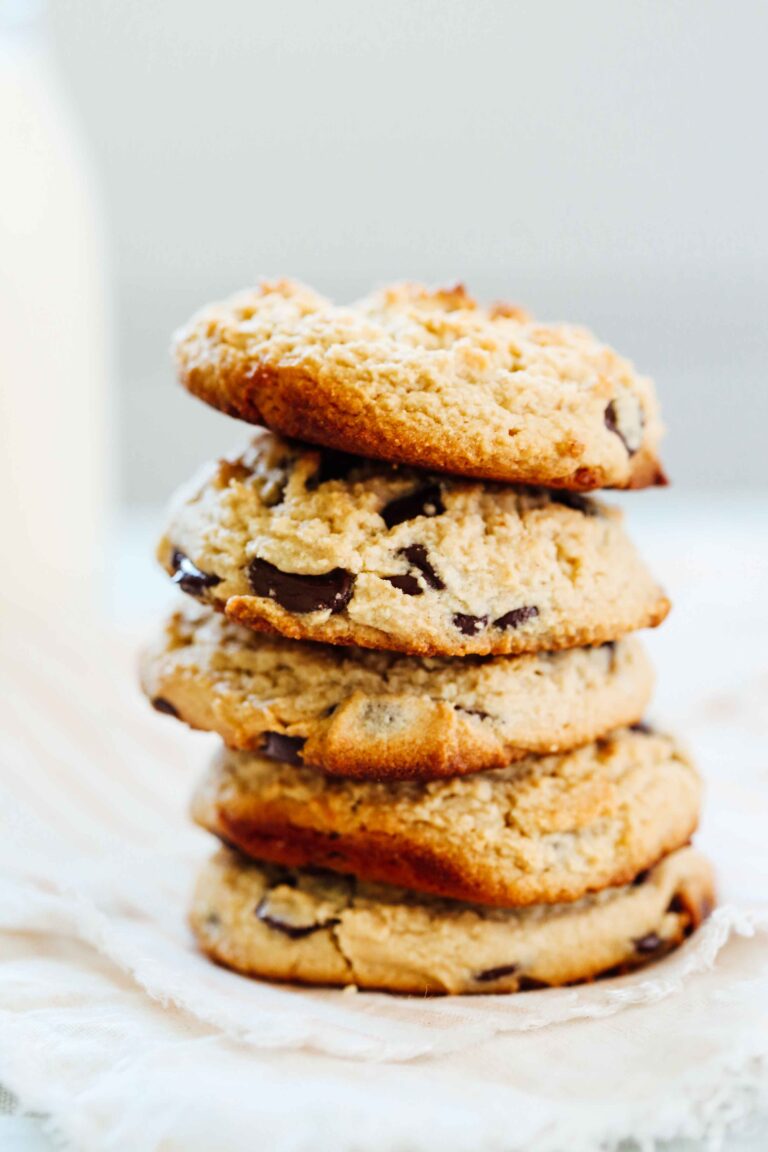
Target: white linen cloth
(124, 1037)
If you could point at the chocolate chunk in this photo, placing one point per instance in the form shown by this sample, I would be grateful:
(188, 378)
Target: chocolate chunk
(516, 617)
(161, 705)
(293, 931)
(276, 746)
(648, 944)
(677, 905)
(408, 584)
(612, 424)
(641, 878)
(469, 625)
(531, 984)
(301, 593)
(642, 727)
(575, 501)
(427, 501)
(491, 974)
(416, 554)
(189, 577)
(473, 712)
(333, 466)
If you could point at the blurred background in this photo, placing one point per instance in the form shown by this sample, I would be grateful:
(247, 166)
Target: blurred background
(599, 162)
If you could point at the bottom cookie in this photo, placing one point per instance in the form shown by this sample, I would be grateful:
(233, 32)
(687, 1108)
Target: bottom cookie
(313, 927)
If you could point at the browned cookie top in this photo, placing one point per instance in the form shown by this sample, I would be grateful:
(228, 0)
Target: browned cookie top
(428, 378)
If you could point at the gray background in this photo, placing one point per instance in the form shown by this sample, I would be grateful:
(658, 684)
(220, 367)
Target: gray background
(599, 162)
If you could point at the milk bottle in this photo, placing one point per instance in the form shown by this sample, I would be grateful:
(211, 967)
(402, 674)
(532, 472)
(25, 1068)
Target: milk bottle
(54, 472)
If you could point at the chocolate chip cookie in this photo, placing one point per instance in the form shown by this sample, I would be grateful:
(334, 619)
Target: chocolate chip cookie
(321, 546)
(322, 928)
(381, 715)
(428, 378)
(543, 830)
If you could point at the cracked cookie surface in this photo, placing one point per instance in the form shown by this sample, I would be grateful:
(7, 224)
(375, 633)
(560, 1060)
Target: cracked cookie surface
(428, 378)
(357, 712)
(320, 546)
(320, 928)
(544, 830)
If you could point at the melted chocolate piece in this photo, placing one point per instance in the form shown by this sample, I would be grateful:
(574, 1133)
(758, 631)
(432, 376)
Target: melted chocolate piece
(417, 555)
(189, 577)
(491, 974)
(408, 584)
(612, 425)
(516, 617)
(302, 593)
(531, 984)
(575, 501)
(333, 466)
(473, 712)
(427, 501)
(293, 931)
(161, 705)
(469, 625)
(649, 944)
(287, 749)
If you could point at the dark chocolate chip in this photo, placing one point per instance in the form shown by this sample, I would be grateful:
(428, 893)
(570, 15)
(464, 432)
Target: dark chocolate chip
(333, 466)
(491, 974)
(575, 501)
(427, 501)
(641, 878)
(293, 931)
(517, 617)
(531, 984)
(408, 584)
(612, 425)
(301, 593)
(677, 905)
(649, 944)
(642, 727)
(189, 577)
(276, 746)
(469, 625)
(161, 705)
(473, 712)
(416, 554)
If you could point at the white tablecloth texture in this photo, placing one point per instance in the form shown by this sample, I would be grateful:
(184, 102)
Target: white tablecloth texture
(123, 1037)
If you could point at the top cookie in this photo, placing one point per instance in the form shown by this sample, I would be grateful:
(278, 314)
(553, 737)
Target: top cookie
(431, 379)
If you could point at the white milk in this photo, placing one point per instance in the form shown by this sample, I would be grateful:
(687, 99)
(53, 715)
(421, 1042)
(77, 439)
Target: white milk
(54, 471)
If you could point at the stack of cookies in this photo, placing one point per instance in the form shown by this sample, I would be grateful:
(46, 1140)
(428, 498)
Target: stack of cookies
(415, 636)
